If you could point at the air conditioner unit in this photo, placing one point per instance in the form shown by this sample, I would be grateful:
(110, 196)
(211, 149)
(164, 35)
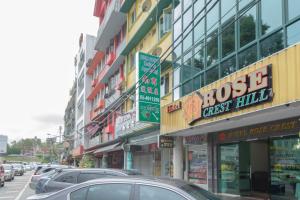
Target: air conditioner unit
(146, 5)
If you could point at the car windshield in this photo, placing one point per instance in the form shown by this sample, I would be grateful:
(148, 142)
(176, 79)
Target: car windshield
(197, 192)
(132, 172)
(7, 167)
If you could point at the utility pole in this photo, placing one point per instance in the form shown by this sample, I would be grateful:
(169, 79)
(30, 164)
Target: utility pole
(60, 130)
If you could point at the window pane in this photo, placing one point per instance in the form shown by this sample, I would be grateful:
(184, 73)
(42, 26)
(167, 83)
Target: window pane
(176, 93)
(187, 18)
(212, 48)
(199, 31)
(187, 3)
(294, 10)
(177, 51)
(198, 6)
(197, 82)
(247, 27)
(177, 9)
(228, 9)
(151, 193)
(177, 29)
(228, 67)
(79, 194)
(212, 75)
(187, 87)
(212, 18)
(271, 18)
(167, 84)
(243, 3)
(272, 44)
(186, 69)
(188, 41)
(199, 56)
(248, 57)
(293, 33)
(104, 192)
(176, 77)
(228, 37)
(86, 177)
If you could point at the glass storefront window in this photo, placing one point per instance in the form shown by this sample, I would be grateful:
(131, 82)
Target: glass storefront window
(293, 8)
(212, 74)
(272, 44)
(247, 57)
(187, 87)
(270, 18)
(228, 67)
(199, 56)
(212, 48)
(177, 9)
(228, 9)
(212, 18)
(248, 27)
(285, 168)
(177, 29)
(228, 37)
(293, 33)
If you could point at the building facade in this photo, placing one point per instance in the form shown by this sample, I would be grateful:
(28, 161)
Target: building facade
(82, 106)
(236, 97)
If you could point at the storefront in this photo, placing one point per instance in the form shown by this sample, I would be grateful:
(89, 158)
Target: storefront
(240, 134)
(77, 154)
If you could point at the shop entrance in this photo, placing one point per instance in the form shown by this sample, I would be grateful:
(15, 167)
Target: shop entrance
(261, 168)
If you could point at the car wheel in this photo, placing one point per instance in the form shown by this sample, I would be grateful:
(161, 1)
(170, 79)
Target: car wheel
(2, 185)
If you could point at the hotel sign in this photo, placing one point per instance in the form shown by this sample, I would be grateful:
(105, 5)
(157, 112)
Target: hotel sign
(247, 90)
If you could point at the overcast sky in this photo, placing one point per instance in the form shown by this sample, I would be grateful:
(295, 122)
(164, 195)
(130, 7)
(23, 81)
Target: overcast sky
(38, 42)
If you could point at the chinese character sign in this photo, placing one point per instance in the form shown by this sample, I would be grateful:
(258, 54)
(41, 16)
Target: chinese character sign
(148, 88)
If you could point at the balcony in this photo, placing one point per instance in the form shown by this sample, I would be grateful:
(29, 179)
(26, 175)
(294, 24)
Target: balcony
(109, 129)
(111, 24)
(94, 82)
(94, 62)
(101, 104)
(112, 98)
(111, 58)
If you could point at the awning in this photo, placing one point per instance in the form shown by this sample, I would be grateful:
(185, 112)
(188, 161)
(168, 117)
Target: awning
(109, 148)
(145, 139)
(88, 152)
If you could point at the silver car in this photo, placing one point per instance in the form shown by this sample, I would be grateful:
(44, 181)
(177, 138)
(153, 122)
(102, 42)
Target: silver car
(130, 188)
(9, 172)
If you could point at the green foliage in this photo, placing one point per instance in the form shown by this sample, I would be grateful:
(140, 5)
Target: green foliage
(87, 161)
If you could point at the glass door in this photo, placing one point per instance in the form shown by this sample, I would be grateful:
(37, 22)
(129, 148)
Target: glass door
(245, 168)
(229, 168)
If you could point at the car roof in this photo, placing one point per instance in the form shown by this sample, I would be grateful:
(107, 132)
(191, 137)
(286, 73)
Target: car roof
(96, 170)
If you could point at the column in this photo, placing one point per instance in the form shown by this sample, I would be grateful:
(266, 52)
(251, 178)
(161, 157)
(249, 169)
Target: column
(129, 160)
(178, 158)
(104, 160)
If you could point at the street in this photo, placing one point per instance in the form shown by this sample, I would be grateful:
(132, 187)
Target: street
(17, 189)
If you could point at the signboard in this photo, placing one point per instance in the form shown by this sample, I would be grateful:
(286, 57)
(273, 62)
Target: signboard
(247, 90)
(148, 88)
(175, 106)
(3, 144)
(166, 142)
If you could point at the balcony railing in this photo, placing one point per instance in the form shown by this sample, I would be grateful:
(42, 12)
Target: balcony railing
(111, 58)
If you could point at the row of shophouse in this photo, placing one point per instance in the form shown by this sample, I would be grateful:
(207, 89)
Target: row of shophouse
(229, 93)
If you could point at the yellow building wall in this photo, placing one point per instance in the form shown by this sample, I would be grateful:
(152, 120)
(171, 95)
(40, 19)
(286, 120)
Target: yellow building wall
(286, 88)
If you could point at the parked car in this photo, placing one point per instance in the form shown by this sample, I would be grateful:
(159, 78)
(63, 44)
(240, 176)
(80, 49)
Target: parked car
(19, 169)
(35, 178)
(9, 172)
(68, 177)
(130, 188)
(2, 176)
(27, 167)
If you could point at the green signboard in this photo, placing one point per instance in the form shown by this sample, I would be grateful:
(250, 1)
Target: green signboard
(148, 88)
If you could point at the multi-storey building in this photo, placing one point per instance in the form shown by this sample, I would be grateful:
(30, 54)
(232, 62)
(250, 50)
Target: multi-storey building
(236, 75)
(82, 108)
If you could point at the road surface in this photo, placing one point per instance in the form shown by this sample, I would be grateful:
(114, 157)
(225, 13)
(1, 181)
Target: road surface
(17, 189)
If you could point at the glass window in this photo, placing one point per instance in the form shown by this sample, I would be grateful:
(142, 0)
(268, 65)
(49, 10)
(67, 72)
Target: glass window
(188, 41)
(248, 27)
(186, 4)
(177, 9)
(270, 18)
(79, 194)
(228, 37)
(212, 48)
(272, 44)
(176, 93)
(212, 18)
(199, 56)
(89, 176)
(150, 193)
(177, 76)
(293, 8)
(243, 3)
(177, 50)
(228, 9)
(197, 82)
(228, 67)
(177, 29)
(70, 177)
(285, 171)
(212, 75)
(247, 56)
(187, 18)
(198, 30)
(293, 33)
(198, 7)
(104, 192)
(186, 69)
(187, 87)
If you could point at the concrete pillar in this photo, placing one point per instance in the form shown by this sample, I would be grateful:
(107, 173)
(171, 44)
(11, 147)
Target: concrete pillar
(104, 160)
(129, 160)
(178, 158)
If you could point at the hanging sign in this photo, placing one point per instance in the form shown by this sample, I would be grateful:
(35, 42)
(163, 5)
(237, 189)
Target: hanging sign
(166, 142)
(148, 88)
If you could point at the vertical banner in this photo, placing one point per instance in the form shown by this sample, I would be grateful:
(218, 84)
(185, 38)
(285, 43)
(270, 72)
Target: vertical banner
(148, 88)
